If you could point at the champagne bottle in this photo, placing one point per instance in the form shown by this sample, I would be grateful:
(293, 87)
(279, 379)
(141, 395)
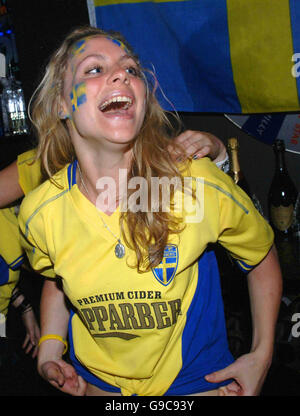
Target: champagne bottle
(234, 169)
(282, 195)
(237, 175)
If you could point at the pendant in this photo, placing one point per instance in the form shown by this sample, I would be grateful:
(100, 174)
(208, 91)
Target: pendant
(120, 250)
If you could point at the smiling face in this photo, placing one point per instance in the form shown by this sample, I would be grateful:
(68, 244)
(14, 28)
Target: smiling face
(104, 93)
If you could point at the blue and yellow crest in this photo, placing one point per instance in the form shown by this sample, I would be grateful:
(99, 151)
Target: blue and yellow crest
(166, 270)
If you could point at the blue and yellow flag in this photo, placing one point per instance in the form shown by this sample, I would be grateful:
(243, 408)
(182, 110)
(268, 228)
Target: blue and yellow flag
(221, 56)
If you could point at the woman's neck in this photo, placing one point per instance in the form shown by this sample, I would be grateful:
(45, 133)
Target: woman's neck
(101, 176)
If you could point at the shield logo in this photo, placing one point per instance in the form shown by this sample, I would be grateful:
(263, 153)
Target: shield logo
(166, 270)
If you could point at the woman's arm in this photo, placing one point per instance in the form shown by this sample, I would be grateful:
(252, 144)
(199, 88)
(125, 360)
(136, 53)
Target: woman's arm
(10, 189)
(265, 290)
(54, 317)
(249, 370)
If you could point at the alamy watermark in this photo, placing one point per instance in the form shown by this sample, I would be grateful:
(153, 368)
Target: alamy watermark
(296, 68)
(2, 325)
(188, 195)
(296, 327)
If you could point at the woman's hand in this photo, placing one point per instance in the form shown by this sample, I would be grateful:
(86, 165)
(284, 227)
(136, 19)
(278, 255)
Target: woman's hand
(198, 144)
(248, 373)
(63, 376)
(32, 333)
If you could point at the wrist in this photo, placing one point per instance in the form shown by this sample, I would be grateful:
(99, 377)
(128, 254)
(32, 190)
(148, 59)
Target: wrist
(19, 302)
(54, 337)
(264, 353)
(51, 348)
(16, 297)
(24, 306)
(222, 153)
(223, 164)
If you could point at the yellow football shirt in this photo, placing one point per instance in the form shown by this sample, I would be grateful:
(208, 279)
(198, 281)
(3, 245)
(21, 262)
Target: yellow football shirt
(29, 171)
(135, 331)
(11, 255)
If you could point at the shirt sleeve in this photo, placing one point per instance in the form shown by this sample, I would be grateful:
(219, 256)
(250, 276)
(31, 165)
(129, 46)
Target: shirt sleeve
(243, 231)
(6, 291)
(29, 171)
(231, 218)
(10, 247)
(34, 243)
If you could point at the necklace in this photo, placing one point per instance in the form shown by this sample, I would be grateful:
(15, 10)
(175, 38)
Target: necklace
(119, 248)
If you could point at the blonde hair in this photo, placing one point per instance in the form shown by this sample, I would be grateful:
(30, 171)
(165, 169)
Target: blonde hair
(147, 233)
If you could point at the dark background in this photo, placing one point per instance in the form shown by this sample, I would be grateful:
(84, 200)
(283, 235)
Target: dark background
(39, 27)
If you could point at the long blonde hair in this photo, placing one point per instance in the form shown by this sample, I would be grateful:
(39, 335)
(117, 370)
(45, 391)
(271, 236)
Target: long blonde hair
(146, 232)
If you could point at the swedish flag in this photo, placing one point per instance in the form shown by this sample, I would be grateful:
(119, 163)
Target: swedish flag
(231, 56)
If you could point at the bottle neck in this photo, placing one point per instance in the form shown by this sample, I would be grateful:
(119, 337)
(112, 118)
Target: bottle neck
(280, 162)
(235, 170)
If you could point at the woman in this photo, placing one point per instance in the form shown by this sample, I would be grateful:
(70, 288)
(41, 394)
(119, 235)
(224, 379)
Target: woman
(142, 286)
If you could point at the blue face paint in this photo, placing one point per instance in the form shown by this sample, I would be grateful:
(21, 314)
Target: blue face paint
(79, 47)
(78, 95)
(119, 43)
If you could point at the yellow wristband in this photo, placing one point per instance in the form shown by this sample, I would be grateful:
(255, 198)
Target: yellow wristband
(54, 336)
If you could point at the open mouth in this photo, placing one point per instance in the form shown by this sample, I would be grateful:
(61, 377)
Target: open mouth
(116, 103)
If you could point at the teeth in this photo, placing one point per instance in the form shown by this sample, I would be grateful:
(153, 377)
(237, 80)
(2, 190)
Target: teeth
(119, 99)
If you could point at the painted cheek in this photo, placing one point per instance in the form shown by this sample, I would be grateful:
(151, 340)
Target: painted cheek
(78, 95)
